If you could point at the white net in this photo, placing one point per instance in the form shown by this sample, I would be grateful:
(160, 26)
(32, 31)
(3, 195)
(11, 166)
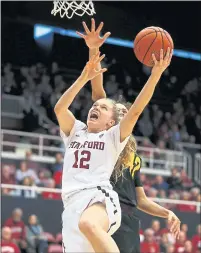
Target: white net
(69, 8)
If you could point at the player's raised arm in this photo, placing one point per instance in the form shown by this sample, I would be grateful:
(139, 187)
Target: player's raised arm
(128, 122)
(65, 118)
(94, 42)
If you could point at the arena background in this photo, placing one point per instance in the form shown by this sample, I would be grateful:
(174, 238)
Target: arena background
(41, 57)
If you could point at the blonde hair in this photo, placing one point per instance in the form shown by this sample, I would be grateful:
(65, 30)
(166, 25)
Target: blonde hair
(125, 159)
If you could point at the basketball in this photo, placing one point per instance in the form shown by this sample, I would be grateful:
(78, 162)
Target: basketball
(151, 40)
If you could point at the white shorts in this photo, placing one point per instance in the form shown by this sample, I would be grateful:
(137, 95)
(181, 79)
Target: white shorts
(73, 240)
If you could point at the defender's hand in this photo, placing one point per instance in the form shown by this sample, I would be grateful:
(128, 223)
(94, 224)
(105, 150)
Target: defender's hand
(92, 38)
(174, 224)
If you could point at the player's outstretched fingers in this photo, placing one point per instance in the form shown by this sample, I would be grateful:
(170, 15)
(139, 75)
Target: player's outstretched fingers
(81, 35)
(106, 36)
(93, 25)
(161, 56)
(100, 27)
(154, 59)
(85, 27)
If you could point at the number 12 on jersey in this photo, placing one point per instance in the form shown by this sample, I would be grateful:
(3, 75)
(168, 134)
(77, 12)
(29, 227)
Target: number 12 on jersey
(82, 159)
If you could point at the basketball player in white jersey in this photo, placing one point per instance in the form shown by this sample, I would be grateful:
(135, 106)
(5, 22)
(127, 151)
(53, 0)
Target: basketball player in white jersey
(91, 209)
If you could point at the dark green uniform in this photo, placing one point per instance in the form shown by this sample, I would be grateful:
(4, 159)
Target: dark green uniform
(127, 236)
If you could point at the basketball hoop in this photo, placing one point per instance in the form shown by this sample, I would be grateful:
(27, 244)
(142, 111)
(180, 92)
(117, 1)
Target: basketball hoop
(69, 8)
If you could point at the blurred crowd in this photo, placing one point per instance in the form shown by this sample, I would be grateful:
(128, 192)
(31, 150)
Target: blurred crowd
(29, 237)
(159, 240)
(41, 86)
(30, 173)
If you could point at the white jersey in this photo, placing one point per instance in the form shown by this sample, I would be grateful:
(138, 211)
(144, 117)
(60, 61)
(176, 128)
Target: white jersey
(89, 157)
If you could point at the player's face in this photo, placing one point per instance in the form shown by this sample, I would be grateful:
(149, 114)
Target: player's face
(101, 115)
(122, 110)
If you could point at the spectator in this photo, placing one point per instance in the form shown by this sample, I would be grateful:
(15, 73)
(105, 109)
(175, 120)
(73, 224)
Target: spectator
(44, 86)
(7, 177)
(54, 68)
(162, 194)
(44, 175)
(160, 154)
(145, 124)
(58, 178)
(179, 245)
(36, 242)
(155, 226)
(17, 227)
(30, 164)
(152, 193)
(194, 193)
(51, 195)
(183, 207)
(7, 245)
(196, 239)
(184, 228)
(25, 172)
(59, 83)
(157, 118)
(33, 72)
(163, 131)
(147, 144)
(192, 139)
(111, 85)
(172, 195)
(58, 165)
(145, 182)
(184, 134)
(164, 244)
(188, 247)
(174, 180)
(174, 133)
(149, 245)
(160, 184)
(30, 194)
(170, 249)
(186, 182)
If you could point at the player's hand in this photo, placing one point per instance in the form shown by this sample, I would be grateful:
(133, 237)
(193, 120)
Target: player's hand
(92, 38)
(89, 72)
(174, 224)
(161, 65)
